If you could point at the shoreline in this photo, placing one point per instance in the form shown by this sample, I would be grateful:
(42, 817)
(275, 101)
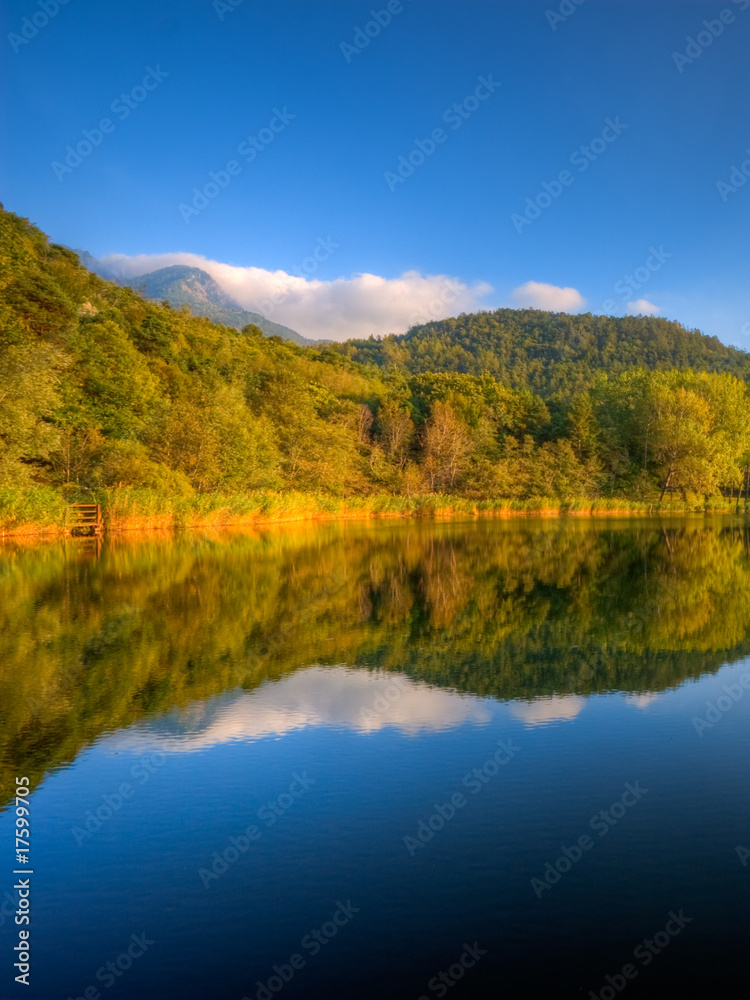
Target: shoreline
(121, 524)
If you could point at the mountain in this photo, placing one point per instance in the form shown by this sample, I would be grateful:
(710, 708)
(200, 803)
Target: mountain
(549, 353)
(102, 390)
(180, 285)
(94, 265)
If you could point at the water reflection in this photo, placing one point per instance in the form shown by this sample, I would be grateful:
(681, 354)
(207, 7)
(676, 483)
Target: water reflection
(537, 613)
(542, 711)
(334, 697)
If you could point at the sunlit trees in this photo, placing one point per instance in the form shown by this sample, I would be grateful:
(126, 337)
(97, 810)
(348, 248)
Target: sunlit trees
(99, 388)
(29, 394)
(682, 431)
(447, 448)
(396, 432)
(682, 448)
(549, 353)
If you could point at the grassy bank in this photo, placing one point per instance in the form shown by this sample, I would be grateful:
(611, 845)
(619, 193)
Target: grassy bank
(45, 511)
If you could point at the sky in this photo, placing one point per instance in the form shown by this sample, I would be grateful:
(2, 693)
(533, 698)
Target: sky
(351, 168)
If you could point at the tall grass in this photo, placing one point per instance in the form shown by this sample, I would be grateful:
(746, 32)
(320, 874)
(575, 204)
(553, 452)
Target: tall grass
(42, 510)
(31, 511)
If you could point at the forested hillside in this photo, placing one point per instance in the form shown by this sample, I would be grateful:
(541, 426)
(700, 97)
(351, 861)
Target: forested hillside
(100, 387)
(105, 394)
(549, 353)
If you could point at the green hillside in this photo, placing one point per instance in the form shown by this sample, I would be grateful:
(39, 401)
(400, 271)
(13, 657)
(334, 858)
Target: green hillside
(106, 395)
(99, 386)
(549, 353)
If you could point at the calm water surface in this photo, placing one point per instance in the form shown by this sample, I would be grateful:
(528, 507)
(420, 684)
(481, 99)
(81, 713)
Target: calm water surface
(381, 760)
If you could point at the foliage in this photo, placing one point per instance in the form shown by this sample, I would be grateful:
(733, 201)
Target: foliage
(101, 390)
(553, 354)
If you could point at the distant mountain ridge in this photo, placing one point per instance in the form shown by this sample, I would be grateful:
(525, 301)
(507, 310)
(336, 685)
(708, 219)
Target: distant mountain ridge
(191, 286)
(552, 354)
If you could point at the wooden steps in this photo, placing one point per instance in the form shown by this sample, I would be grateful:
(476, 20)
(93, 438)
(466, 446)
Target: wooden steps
(85, 519)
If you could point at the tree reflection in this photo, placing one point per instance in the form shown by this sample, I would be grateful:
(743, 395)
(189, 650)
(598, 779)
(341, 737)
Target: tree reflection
(514, 609)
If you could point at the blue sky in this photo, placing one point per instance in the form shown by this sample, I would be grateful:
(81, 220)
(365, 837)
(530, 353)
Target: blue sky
(317, 190)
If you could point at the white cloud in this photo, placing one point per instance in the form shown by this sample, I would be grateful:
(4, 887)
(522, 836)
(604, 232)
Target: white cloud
(536, 295)
(642, 307)
(360, 306)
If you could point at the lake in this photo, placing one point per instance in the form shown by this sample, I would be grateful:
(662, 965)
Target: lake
(379, 760)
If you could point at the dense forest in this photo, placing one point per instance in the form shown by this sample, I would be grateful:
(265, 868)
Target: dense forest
(104, 394)
(555, 355)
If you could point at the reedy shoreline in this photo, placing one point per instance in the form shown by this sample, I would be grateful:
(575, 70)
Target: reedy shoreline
(46, 512)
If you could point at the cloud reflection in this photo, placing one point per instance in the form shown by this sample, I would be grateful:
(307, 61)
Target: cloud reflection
(641, 700)
(334, 697)
(543, 711)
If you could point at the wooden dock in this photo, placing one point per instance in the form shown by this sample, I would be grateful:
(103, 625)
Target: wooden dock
(85, 519)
